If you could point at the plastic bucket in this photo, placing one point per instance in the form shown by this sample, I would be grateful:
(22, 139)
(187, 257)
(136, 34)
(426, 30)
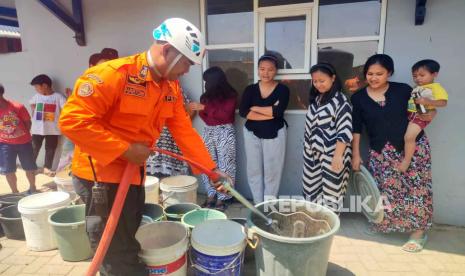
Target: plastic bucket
(12, 226)
(11, 199)
(70, 231)
(178, 189)
(35, 210)
(198, 216)
(163, 247)
(154, 211)
(152, 186)
(176, 211)
(279, 255)
(64, 183)
(217, 248)
(249, 253)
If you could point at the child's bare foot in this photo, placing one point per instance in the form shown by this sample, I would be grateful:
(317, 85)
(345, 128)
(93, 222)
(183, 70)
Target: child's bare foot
(403, 166)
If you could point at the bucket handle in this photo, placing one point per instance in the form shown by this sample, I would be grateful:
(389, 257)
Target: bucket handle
(169, 194)
(253, 242)
(252, 238)
(205, 270)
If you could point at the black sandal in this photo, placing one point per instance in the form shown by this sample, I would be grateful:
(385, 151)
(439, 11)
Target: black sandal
(221, 205)
(209, 202)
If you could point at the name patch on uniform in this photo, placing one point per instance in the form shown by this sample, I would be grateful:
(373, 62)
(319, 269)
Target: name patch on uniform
(134, 91)
(94, 77)
(170, 99)
(85, 89)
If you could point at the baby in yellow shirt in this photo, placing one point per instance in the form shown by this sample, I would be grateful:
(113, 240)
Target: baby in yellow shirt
(425, 97)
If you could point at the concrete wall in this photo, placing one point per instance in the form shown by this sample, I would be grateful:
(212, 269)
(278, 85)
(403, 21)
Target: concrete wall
(441, 37)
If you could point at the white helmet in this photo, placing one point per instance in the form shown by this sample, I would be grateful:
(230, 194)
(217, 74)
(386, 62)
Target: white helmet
(183, 36)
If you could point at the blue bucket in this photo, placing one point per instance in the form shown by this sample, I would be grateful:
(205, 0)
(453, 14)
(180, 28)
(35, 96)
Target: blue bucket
(218, 248)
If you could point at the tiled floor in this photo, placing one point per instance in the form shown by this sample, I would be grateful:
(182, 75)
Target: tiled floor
(353, 252)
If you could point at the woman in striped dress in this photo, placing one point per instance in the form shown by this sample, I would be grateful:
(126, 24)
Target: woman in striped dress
(216, 108)
(328, 137)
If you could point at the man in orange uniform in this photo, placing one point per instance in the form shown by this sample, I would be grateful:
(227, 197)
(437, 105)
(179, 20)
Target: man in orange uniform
(116, 112)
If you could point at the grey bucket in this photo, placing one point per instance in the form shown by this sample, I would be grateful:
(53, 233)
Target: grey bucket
(278, 255)
(11, 222)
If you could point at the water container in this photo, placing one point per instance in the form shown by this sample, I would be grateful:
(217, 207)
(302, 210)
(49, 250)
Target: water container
(35, 210)
(218, 248)
(178, 189)
(163, 247)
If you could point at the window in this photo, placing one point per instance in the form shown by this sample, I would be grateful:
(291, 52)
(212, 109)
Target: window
(348, 33)
(236, 63)
(10, 36)
(229, 21)
(269, 3)
(299, 32)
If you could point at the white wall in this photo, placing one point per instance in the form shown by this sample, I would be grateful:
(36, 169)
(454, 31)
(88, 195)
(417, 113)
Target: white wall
(49, 46)
(442, 38)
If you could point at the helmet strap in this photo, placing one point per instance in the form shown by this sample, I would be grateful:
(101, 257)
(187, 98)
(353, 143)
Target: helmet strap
(172, 64)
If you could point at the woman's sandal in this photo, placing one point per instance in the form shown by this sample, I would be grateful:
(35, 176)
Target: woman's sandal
(221, 205)
(415, 245)
(210, 202)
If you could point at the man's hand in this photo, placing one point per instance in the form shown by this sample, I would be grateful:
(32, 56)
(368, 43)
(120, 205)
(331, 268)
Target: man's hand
(137, 153)
(223, 178)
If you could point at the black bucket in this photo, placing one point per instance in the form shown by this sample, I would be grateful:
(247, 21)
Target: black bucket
(10, 218)
(10, 199)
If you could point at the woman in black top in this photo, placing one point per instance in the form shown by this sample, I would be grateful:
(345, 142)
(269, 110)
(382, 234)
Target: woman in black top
(381, 108)
(263, 105)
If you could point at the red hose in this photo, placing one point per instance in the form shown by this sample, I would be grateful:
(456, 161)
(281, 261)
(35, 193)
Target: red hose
(113, 218)
(121, 193)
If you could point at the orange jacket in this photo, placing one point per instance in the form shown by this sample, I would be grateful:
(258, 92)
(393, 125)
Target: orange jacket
(117, 103)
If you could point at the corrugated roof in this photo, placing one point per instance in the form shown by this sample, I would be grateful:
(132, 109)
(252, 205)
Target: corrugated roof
(8, 31)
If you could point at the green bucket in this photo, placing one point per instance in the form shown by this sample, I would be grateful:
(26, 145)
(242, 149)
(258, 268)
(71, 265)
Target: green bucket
(175, 211)
(70, 232)
(195, 217)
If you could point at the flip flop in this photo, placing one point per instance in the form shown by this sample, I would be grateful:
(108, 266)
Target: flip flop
(418, 244)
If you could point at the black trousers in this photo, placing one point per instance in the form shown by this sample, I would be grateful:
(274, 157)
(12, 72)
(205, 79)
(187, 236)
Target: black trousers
(51, 143)
(121, 258)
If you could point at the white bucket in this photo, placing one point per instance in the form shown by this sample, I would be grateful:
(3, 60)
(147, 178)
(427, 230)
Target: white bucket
(163, 247)
(152, 186)
(178, 189)
(35, 210)
(65, 184)
(218, 247)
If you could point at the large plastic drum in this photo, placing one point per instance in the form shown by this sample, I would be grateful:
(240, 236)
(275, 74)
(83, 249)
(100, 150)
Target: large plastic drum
(179, 189)
(35, 210)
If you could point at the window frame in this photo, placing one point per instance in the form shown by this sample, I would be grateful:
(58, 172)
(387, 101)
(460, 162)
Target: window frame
(312, 48)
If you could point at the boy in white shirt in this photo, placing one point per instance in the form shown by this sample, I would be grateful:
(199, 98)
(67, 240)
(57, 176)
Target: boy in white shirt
(46, 106)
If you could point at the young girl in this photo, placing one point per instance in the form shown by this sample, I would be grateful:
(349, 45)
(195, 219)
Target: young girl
(263, 105)
(328, 137)
(216, 108)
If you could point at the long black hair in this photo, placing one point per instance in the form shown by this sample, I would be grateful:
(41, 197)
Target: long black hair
(217, 86)
(329, 70)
